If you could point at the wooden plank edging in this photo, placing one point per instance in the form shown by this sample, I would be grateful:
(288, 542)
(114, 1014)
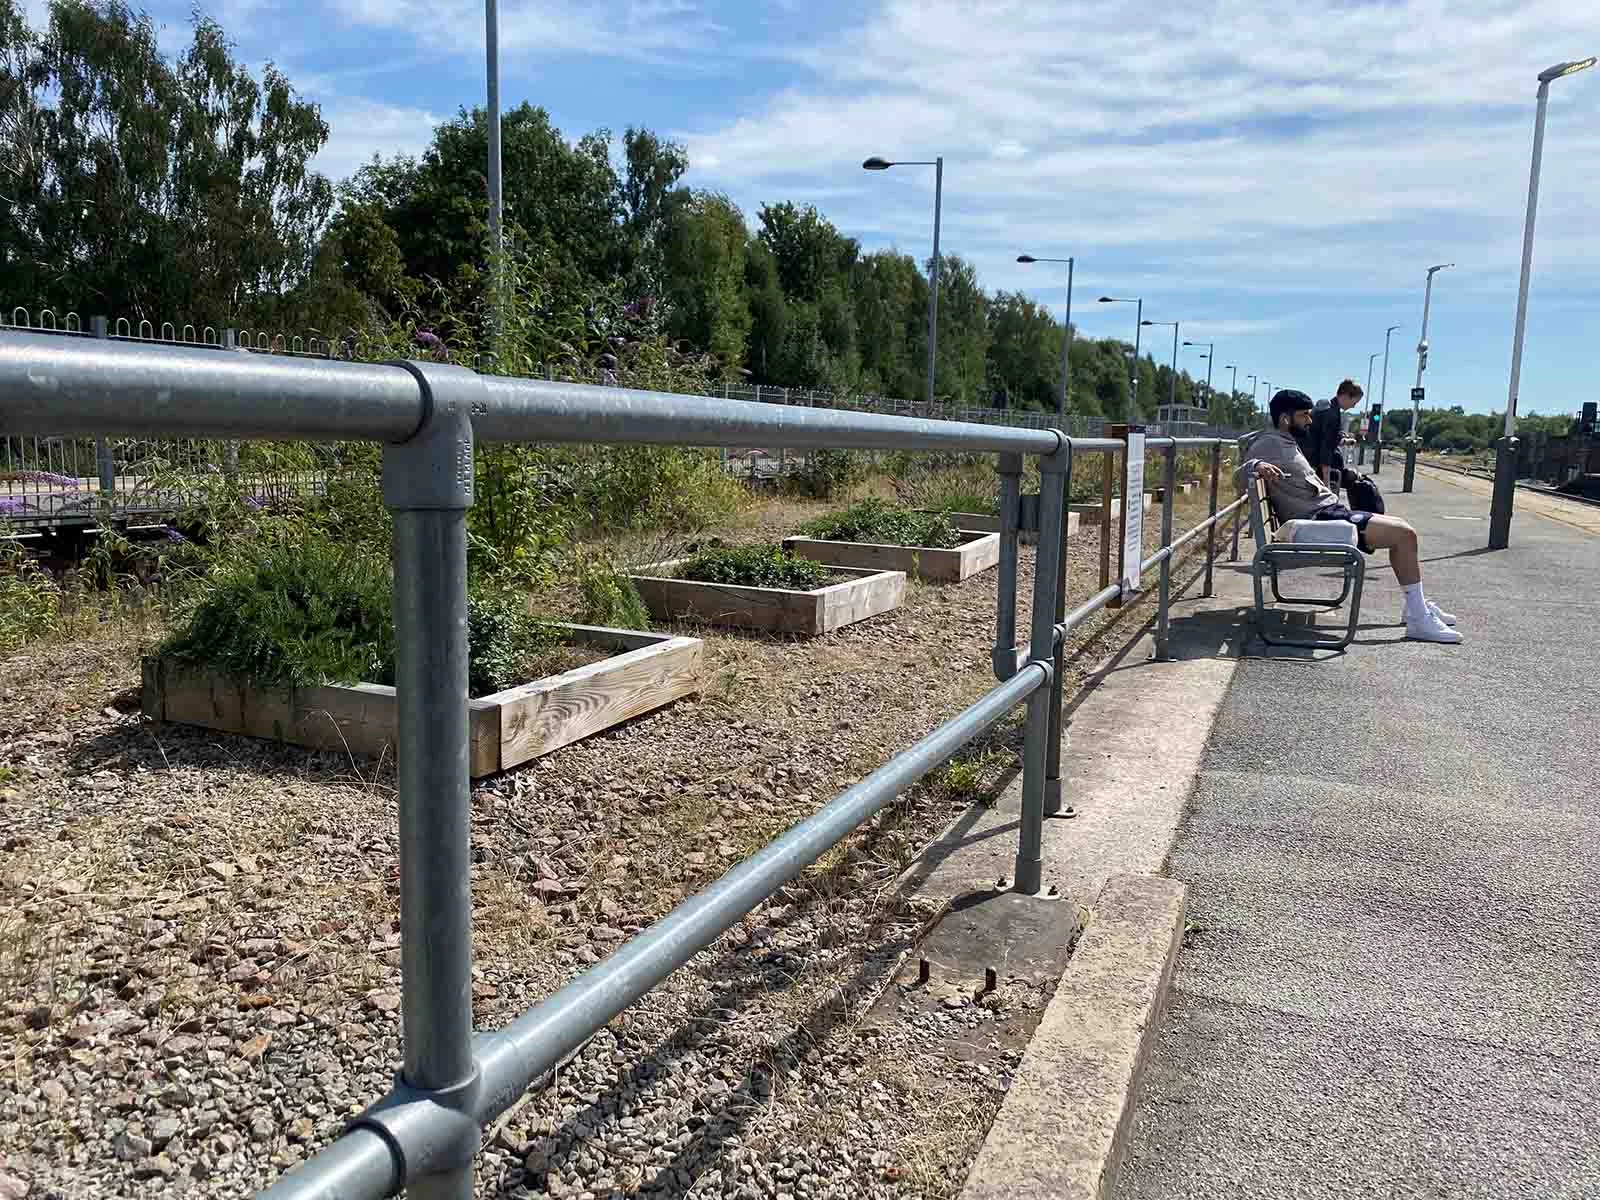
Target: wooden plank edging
(507, 728)
(770, 610)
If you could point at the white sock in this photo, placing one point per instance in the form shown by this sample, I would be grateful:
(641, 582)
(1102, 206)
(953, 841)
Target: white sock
(1415, 606)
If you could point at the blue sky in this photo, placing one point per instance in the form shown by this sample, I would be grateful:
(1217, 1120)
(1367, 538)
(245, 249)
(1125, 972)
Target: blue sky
(1277, 174)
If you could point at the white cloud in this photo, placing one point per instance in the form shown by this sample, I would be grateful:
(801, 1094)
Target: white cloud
(358, 129)
(1280, 144)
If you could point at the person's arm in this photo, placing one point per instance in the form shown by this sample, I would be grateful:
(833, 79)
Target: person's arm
(1256, 468)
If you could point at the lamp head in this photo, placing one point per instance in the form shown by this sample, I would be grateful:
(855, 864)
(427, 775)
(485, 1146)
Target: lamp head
(1567, 68)
(1026, 258)
(877, 164)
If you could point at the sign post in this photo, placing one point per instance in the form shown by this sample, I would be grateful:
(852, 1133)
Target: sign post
(1132, 511)
(1413, 441)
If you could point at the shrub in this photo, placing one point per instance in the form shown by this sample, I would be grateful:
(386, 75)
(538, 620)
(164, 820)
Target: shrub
(276, 613)
(876, 520)
(826, 473)
(505, 642)
(608, 597)
(30, 600)
(755, 566)
(320, 611)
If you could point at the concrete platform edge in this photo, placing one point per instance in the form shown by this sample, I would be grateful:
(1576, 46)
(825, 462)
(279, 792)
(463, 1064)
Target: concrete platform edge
(1060, 1133)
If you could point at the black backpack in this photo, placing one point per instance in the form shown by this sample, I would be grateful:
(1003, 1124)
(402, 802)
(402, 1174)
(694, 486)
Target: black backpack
(1364, 494)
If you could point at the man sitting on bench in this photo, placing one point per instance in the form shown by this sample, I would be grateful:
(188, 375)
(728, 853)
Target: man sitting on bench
(1297, 493)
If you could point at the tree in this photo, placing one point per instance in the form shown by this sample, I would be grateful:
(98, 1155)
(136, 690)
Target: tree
(891, 317)
(808, 251)
(153, 189)
(1025, 351)
(648, 191)
(704, 269)
(563, 200)
(963, 331)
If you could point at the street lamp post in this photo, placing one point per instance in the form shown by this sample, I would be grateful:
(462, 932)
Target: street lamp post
(883, 164)
(1361, 446)
(1066, 325)
(1416, 392)
(1172, 392)
(491, 40)
(1383, 404)
(1233, 387)
(1133, 366)
(1210, 356)
(1505, 462)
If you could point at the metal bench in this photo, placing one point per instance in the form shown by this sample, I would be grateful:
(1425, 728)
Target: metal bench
(1274, 556)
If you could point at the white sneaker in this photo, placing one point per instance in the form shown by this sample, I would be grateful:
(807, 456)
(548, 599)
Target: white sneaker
(1429, 628)
(1447, 618)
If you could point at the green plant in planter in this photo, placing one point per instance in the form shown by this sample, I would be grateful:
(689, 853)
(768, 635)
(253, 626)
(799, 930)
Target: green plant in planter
(754, 566)
(319, 611)
(609, 597)
(277, 613)
(876, 520)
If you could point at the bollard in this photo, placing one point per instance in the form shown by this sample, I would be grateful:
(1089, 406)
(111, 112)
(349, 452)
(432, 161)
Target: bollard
(1169, 475)
(1377, 458)
(1211, 511)
(1410, 477)
(1052, 762)
(427, 486)
(1004, 658)
(1505, 486)
(1052, 507)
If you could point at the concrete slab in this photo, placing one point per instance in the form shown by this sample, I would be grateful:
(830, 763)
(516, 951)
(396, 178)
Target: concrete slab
(1135, 738)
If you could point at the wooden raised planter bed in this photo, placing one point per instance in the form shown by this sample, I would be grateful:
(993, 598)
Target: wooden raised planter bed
(772, 610)
(1093, 511)
(643, 672)
(977, 553)
(990, 523)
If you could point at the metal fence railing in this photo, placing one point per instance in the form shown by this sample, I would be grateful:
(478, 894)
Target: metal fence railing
(425, 1134)
(50, 479)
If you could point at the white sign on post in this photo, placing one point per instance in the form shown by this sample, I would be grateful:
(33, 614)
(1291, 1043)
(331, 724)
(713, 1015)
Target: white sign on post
(1133, 512)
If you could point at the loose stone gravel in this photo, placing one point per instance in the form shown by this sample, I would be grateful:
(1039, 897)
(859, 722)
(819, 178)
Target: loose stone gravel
(199, 951)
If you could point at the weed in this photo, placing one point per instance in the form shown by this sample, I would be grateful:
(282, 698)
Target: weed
(754, 566)
(607, 597)
(30, 600)
(875, 520)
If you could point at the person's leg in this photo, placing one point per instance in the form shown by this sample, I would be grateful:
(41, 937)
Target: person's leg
(1400, 540)
(1423, 619)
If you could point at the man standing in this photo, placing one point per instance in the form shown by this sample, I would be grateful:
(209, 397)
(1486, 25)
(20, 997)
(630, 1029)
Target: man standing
(1297, 493)
(1326, 434)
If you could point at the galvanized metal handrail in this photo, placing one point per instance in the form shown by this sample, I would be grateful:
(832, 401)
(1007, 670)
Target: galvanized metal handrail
(425, 1134)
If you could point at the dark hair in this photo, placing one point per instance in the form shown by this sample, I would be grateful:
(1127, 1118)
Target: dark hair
(1286, 402)
(1349, 387)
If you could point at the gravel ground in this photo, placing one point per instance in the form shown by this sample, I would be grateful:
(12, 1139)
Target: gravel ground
(199, 963)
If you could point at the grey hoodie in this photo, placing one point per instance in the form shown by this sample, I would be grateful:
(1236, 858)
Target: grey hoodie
(1300, 492)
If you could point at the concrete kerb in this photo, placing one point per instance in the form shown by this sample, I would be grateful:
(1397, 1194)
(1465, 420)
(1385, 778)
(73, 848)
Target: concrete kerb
(1061, 1129)
(1132, 763)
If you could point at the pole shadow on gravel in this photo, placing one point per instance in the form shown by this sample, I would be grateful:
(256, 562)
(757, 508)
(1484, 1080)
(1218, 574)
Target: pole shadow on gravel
(724, 1110)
